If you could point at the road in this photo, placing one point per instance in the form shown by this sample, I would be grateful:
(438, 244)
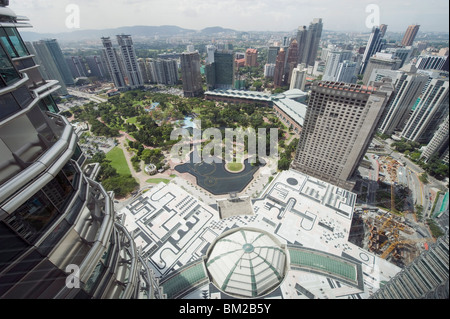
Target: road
(90, 97)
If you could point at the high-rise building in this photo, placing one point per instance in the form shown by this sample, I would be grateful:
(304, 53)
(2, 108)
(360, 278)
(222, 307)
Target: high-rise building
(164, 71)
(129, 60)
(220, 73)
(58, 57)
(403, 54)
(272, 54)
(251, 57)
(47, 64)
(269, 70)
(97, 67)
(334, 59)
(210, 49)
(298, 78)
(408, 86)
(373, 46)
(410, 35)
(339, 124)
(112, 63)
(432, 62)
(346, 72)
(383, 29)
(76, 66)
(438, 145)
(278, 74)
(426, 277)
(380, 61)
(60, 236)
(190, 74)
(429, 112)
(308, 41)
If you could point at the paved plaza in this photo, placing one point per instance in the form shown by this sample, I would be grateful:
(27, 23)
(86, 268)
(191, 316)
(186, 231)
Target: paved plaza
(312, 218)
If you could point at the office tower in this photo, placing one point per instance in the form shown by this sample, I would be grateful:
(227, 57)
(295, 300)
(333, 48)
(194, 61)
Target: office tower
(335, 58)
(383, 29)
(272, 54)
(220, 74)
(112, 63)
(408, 86)
(373, 46)
(346, 72)
(190, 74)
(269, 70)
(410, 35)
(60, 236)
(308, 41)
(129, 60)
(210, 49)
(429, 112)
(438, 145)
(278, 74)
(251, 57)
(97, 67)
(76, 67)
(291, 60)
(58, 57)
(144, 67)
(298, 78)
(380, 61)
(190, 48)
(302, 32)
(165, 71)
(425, 278)
(403, 54)
(432, 62)
(339, 124)
(47, 64)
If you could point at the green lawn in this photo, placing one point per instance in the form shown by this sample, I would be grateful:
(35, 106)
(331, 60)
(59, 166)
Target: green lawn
(234, 167)
(157, 180)
(118, 161)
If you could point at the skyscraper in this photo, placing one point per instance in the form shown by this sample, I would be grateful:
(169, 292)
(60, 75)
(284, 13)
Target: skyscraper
(190, 73)
(438, 145)
(334, 59)
(339, 125)
(373, 46)
(383, 29)
(112, 63)
(380, 61)
(220, 73)
(76, 66)
(408, 87)
(55, 51)
(129, 60)
(251, 57)
(298, 77)
(346, 72)
(410, 35)
(60, 236)
(429, 112)
(425, 278)
(272, 54)
(278, 75)
(47, 64)
(97, 67)
(308, 41)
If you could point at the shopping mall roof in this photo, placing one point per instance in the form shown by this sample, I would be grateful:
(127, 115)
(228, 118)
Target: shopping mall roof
(246, 262)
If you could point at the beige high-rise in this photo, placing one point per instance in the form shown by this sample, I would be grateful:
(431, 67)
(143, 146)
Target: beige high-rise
(339, 124)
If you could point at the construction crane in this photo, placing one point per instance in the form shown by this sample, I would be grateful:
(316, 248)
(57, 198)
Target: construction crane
(400, 242)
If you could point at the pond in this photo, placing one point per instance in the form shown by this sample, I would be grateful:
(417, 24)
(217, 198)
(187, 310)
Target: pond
(216, 179)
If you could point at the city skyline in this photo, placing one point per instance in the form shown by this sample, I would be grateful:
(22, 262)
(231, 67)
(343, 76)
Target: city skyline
(264, 15)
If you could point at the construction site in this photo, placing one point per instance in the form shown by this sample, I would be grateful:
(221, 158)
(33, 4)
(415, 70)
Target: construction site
(391, 229)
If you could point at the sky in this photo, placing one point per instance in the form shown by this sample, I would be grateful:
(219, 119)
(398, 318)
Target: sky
(51, 16)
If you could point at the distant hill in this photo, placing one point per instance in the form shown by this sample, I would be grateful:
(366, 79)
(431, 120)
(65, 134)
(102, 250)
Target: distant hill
(214, 30)
(137, 31)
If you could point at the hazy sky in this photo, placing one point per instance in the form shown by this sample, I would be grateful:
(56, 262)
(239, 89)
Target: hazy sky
(243, 15)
